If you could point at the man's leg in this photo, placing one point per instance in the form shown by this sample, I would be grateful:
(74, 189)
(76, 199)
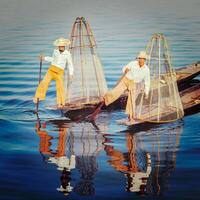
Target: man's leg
(130, 106)
(40, 93)
(134, 90)
(111, 96)
(60, 92)
(116, 92)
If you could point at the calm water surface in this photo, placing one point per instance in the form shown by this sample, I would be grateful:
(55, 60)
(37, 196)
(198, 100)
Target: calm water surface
(107, 161)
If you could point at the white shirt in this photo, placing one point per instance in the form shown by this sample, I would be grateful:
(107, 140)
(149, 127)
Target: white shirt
(64, 162)
(138, 74)
(60, 60)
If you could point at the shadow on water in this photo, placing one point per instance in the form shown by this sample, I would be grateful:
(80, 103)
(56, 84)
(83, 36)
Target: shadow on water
(146, 159)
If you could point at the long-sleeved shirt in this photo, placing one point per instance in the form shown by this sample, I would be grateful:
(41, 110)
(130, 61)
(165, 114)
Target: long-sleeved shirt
(64, 162)
(60, 60)
(138, 74)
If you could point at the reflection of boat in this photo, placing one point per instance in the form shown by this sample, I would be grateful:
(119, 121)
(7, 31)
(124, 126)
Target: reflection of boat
(148, 159)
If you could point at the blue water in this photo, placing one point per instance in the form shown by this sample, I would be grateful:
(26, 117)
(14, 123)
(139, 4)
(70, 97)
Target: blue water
(108, 157)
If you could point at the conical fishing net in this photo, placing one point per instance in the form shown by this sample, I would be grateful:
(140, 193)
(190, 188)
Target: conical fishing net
(163, 103)
(89, 83)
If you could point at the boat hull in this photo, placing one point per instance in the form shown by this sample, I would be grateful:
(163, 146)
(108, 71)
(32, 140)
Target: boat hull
(186, 87)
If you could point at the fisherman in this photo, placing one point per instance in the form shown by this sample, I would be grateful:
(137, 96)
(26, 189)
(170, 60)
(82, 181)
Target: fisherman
(136, 77)
(60, 59)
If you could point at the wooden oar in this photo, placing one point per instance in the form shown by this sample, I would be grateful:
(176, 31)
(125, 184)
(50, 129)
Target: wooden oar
(92, 116)
(39, 79)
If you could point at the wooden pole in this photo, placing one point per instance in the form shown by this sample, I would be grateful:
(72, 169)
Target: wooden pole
(39, 79)
(98, 109)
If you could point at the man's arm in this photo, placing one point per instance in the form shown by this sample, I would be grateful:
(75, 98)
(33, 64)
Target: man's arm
(70, 66)
(127, 68)
(147, 83)
(48, 58)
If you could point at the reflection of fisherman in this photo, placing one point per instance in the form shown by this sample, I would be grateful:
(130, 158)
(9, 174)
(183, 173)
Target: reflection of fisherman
(63, 162)
(60, 58)
(65, 179)
(137, 179)
(135, 73)
(59, 158)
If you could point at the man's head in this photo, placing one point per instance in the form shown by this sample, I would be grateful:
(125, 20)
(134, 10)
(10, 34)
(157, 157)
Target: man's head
(142, 58)
(61, 48)
(61, 43)
(141, 61)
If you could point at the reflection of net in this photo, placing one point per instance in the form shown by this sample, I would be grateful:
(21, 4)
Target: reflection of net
(88, 167)
(164, 103)
(89, 82)
(141, 160)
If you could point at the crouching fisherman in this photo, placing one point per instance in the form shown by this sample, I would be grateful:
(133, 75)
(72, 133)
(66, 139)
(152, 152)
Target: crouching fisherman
(60, 59)
(136, 78)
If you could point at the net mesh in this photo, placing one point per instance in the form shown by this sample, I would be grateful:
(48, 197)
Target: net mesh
(89, 83)
(164, 103)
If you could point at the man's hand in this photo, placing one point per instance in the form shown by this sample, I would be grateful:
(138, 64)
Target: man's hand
(126, 70)
(146, 96)
(41, 57)
(71, 77)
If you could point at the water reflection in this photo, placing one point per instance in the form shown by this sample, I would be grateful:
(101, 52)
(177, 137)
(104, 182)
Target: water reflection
(62, 156)
(77, 146)
(146, 158)
(87, 144)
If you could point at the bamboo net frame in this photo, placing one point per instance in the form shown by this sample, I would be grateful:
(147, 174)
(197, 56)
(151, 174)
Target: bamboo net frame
(89, 84)
(164, 103)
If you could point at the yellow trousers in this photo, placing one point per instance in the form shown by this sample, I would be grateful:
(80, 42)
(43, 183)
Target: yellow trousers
(123, 85)
(53, 73)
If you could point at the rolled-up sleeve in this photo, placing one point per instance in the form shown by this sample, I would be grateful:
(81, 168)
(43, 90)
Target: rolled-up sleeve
(48, 58)
(72, 161)
(147, 82)
(70, 64)
(128, 66)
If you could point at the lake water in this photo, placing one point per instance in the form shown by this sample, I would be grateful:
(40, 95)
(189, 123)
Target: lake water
(107, 161)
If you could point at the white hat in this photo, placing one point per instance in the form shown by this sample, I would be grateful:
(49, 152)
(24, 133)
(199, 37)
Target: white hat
(61, 42)
(143, 54)
(66, 190)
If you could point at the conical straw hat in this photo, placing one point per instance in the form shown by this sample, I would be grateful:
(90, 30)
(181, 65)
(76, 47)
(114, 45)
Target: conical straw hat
(143, 54)
(61, 42)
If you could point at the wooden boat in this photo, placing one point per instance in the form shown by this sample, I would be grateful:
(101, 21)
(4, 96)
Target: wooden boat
(190, 98)
(185, 74)
(184, 77)
(89, 84)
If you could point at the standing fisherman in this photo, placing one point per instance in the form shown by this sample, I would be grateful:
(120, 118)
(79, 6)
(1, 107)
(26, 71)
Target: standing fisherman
(136, 77)
(60, 59)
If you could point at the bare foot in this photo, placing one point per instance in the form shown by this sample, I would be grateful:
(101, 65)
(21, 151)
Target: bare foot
(35, 100)
(60, 106)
